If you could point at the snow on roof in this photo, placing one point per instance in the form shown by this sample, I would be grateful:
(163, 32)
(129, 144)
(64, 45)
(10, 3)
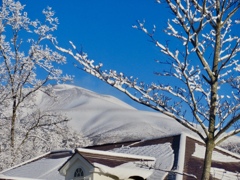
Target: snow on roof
(216, 148)
(126, 170)
(220, 157)
(26, 162)
(15, 178)
(42, 167)
(162, 152)
(223, 174)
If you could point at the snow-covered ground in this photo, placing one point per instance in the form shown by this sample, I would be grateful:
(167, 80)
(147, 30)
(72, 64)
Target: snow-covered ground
(107, 119)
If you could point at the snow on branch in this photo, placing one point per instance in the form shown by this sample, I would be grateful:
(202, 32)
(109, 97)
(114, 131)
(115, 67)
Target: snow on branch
(139, 92)
(205, 65)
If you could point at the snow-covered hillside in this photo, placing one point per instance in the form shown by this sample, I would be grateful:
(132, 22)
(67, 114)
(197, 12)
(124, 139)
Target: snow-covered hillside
(106, 119)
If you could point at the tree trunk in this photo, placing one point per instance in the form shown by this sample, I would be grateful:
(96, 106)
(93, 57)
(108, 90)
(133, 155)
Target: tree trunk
(208, 159)
(13, 123)
(12, 136)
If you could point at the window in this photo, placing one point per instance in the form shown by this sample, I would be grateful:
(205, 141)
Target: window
(78, 172)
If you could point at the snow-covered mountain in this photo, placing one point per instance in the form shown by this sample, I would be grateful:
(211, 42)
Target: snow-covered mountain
(106, 119)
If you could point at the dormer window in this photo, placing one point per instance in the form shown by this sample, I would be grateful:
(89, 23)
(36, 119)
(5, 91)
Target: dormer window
(78, 173)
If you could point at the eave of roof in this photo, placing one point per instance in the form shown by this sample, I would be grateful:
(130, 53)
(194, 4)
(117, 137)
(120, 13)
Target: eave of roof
(3, 177)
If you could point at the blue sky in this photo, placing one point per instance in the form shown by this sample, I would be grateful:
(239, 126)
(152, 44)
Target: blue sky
(104, 30)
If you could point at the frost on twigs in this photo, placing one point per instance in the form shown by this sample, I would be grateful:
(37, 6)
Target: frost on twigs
(28, 63)
(200, 64)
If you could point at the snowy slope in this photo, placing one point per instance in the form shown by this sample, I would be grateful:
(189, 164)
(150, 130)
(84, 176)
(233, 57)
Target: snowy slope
(107, 119)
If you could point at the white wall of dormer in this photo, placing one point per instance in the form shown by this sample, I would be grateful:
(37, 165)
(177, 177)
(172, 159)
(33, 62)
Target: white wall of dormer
(77, 161)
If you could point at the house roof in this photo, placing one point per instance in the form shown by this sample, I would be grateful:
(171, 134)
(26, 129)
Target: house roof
(173, 154)
(3, 177)
(42, 167)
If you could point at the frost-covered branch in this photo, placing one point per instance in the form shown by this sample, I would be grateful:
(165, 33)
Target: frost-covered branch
(235, 119)
(40, 119)
(202, 81)
(25, 51)
(122, 83)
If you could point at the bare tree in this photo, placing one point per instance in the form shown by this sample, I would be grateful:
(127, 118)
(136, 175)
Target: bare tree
(200, 84)
(27, 67)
